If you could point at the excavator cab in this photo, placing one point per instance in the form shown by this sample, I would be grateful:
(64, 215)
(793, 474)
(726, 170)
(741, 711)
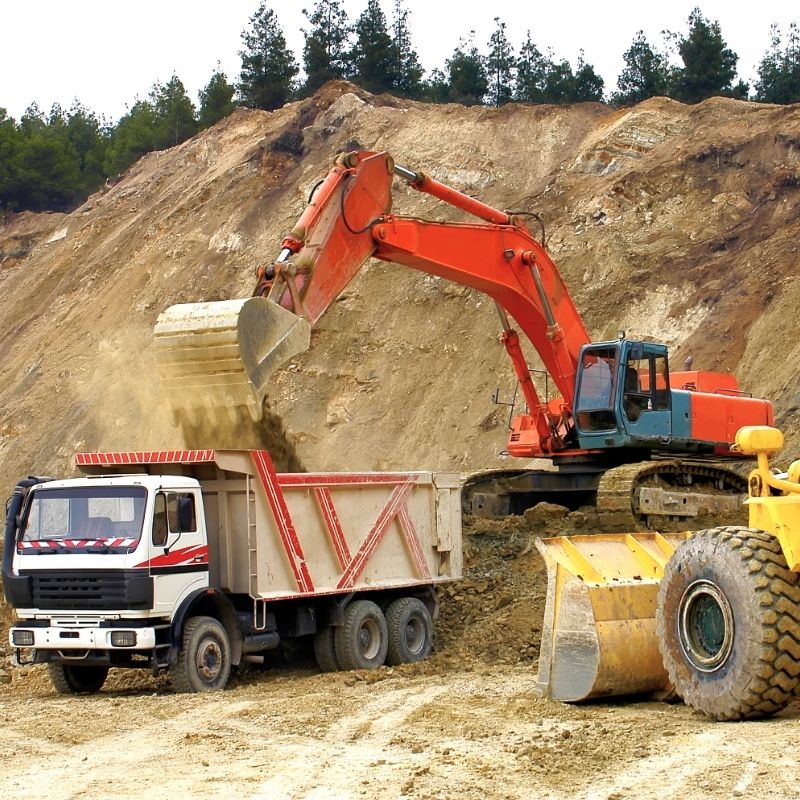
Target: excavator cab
(623, 396)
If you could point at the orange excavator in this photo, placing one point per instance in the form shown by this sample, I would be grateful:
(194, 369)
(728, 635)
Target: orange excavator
(618, 405)
(645, 444)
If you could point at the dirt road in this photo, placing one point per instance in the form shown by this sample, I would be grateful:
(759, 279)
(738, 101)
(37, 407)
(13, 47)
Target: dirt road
(443, 734)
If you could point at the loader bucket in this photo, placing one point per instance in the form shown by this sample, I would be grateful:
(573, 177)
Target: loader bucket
(217, 358)
(599, 632)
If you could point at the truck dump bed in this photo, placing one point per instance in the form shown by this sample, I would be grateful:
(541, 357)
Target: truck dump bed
(288, 535)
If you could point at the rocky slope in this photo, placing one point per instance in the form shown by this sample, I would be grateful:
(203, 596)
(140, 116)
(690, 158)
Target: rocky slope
(670, 221)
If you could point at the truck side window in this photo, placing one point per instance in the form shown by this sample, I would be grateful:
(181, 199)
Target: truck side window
(160, 521)
(180, 513)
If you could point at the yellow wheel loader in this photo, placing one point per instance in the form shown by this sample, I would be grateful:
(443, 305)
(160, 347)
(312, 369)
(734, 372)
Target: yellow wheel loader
(712, 615)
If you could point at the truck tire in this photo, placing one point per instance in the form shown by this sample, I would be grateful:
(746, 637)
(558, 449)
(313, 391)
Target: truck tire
(728, 624)
(69, 679)
(204, 660)
(410, 630)
(361, 641)
(325, 650)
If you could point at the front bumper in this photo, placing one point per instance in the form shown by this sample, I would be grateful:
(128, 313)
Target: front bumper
(77, 641)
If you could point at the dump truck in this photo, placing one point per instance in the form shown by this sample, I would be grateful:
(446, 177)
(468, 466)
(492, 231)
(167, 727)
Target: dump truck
(192, 562)
(642, 442)
(712, 616)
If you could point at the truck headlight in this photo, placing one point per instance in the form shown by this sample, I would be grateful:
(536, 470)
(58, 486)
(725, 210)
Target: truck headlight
(123, 638)
(21, 638)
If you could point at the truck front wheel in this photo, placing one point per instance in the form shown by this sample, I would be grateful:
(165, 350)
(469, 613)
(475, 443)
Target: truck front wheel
(69, 679)
(728, 623)
(204, 661)
(361, 640)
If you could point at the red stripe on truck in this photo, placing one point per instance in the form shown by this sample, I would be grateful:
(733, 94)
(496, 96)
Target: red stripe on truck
(373, 538)
(283, 520)
(333, 525)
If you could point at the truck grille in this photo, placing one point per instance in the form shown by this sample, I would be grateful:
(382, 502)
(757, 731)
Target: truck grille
(88, 590)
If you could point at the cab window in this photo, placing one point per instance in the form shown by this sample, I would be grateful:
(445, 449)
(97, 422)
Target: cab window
(645, 385)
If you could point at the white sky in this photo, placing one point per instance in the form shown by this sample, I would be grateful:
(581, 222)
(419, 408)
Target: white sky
(107, 52)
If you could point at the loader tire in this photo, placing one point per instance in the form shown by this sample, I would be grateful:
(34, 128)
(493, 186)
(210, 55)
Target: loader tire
(410, 631)
(324, 649)
(68, 679)
(204, 660)
(361, 641)
(728, 624)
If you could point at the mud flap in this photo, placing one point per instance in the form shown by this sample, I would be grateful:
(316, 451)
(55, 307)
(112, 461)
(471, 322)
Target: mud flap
(218, 357)
(599, 632)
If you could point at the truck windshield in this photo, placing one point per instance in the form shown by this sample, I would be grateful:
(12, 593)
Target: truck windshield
(79, 518)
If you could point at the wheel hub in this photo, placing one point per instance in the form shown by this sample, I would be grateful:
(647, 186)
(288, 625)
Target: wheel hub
(209, 660)
(705, 626)
(369, 639)
(414, 635)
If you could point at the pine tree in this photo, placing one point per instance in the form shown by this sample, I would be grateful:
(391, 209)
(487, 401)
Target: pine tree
(500, 66)
(588, 85)
(372, 55)
(46, 164)
(436, 89)
(133, 136)
(709, 66)
(406, 69)
(90, 138)
(9, 149)
(174, 113)
(467, 78)
(326, 53)
(779, 70)
(216, 99)
(559, 81)
(531, 73)
(647, 73)
(268, 66)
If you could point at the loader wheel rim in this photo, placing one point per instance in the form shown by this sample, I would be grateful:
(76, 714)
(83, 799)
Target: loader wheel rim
(369, 639)
(705, 626)
(209, 660)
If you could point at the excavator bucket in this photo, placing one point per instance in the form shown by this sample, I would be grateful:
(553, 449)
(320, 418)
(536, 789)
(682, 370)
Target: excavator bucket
(599, 634)
(220, 356)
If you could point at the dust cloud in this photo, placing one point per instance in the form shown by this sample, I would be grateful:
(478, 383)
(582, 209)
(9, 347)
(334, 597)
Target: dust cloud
(269, 433)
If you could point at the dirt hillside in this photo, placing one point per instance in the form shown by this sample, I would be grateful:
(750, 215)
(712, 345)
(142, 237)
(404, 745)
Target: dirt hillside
(667, 220)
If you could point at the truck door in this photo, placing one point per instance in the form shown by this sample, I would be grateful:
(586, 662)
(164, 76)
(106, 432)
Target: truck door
(179, 548)
(645, 395)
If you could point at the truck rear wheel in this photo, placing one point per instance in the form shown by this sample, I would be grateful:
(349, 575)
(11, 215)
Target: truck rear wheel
(325, 650)
(728, 624)
(361, 641)
(69, 679)
(204, 661)
(410, 631)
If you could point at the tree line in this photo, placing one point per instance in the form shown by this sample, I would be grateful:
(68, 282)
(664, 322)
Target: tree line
(54, 161)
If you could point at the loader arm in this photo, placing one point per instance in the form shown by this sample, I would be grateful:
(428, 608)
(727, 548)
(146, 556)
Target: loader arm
(348, 221)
